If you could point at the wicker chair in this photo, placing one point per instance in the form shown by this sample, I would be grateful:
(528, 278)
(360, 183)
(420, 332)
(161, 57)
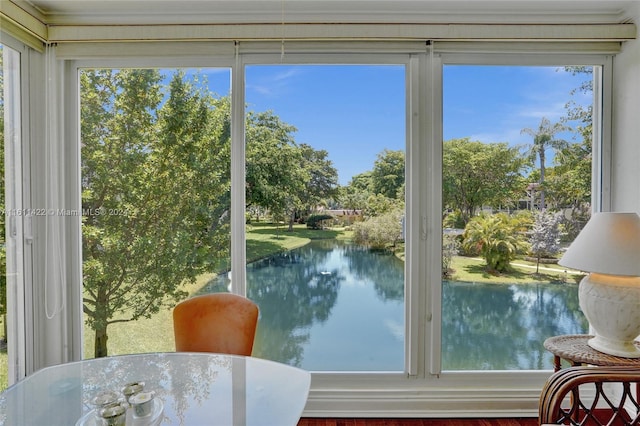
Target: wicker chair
(584, 396)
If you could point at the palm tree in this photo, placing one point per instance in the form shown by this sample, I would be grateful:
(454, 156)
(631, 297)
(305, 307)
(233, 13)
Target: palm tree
(543, 139)
(495, 238)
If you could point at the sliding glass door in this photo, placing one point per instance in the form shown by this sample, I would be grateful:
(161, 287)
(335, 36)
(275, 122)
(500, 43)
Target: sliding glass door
(325, 179)
(517, 174)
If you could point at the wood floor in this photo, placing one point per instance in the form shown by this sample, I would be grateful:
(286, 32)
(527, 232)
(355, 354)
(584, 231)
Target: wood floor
(418, 422)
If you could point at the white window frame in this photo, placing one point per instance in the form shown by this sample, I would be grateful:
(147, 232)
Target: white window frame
(19, 323)
(423, 390)
(601, 143)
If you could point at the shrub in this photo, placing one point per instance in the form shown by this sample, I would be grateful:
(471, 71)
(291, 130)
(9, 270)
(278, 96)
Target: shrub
(450, 248)
(315, 220)
(379, 232)
(495, 238)
(454, 219)
(545, 236)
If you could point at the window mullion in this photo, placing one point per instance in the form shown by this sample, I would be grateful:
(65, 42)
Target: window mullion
(238, 245)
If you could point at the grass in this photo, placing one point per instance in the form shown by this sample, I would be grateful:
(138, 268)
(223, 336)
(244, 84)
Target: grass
(155, 334)
(264, 239)
(472, 269)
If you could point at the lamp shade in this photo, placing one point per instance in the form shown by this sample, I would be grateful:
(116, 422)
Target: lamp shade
(608, 244)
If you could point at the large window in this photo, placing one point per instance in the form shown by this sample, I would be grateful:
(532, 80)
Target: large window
(324, 208)
(517, 162)
(325, 170)
(155, 199)
(347, 195)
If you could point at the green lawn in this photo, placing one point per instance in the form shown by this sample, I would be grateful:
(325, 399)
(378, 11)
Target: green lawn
(156, 333)
(473, 270)
(264, 239)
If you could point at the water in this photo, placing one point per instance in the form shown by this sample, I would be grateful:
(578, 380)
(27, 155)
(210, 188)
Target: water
(502, 327)
(334, 307)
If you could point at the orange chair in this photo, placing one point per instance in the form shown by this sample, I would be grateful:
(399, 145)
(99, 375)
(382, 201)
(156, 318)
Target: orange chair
(218, 322)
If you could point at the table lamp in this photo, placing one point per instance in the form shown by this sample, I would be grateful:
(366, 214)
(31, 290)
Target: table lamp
(609, 249)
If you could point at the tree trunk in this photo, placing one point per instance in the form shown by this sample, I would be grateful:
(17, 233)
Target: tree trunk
(542, 170)
(100, 344)
(292, 217)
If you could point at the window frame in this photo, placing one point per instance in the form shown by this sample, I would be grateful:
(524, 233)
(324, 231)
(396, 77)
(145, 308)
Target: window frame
(423, 389)
(20, 298)
(601, 142)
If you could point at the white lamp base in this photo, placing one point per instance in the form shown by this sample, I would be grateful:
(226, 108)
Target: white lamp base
(612, 305)
(613, 347)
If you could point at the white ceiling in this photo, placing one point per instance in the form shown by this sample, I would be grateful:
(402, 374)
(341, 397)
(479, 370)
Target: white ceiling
(79, 12)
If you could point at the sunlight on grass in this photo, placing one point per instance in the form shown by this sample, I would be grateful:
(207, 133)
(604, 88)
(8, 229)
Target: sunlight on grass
(264, 239)
(471, 269)
(153, 334)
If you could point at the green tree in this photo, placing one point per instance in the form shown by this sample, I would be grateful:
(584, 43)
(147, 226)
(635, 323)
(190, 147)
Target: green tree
(569, 181)
(154, 179)
(322, 183)
(380, 231)
(387, 176)
(471, 177)
(362, 182)
(354, 195)
(578, 112)
(495, 238)
(544, 138)
(379, 204)
(275, 177)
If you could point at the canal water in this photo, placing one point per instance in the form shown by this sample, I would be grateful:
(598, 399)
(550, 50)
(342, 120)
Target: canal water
(330, 306)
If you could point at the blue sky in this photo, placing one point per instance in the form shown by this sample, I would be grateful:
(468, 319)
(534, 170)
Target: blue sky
(355, 112)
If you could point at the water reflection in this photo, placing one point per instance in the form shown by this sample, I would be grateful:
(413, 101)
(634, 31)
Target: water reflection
(502, 327)
(331, 306)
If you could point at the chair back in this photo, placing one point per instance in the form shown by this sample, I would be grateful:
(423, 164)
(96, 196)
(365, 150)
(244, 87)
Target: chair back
(217, 322)
(580, 396)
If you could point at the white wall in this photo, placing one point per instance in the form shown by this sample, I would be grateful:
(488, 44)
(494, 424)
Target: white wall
(625, 173)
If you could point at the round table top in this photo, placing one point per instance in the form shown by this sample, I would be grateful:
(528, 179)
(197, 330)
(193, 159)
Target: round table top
(189, 389)
(574, 347)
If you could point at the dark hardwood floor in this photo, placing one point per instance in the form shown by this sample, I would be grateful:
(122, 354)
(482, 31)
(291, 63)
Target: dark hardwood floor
(418, 422)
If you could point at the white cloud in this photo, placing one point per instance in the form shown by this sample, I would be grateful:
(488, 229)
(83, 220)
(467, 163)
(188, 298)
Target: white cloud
(274, 84)
(552, 111)
(510, 135)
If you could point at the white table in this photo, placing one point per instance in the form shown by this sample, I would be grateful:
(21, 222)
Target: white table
(194, 389)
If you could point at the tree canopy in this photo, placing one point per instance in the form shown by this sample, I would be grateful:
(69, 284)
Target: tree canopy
(476, 174)
(281, 175)
(156, 187)
(387, 176)
(544, 138)
(155, 191)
